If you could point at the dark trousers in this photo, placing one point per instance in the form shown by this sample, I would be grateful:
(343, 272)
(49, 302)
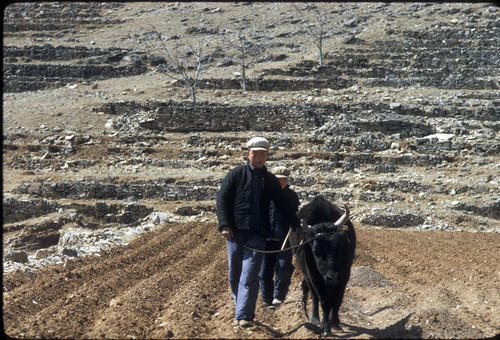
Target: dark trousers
(275, 273)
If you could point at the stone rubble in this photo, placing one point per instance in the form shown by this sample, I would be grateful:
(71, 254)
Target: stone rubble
(400, 122)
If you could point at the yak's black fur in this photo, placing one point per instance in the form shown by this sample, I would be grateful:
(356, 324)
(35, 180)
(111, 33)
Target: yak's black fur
(326, 261)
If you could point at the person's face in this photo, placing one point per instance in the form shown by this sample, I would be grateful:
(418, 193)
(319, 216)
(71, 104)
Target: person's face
(283, 182)
(257, 158)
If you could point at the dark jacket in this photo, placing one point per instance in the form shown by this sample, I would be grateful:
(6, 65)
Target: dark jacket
(236, 203)
(279, 225)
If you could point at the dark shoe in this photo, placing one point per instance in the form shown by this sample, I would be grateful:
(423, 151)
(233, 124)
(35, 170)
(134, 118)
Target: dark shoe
(245, 323)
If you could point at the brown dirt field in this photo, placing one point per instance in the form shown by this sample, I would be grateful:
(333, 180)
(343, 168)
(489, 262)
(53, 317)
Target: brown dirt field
(172, 283)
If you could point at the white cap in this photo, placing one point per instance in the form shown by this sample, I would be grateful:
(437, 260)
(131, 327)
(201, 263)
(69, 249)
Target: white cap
(258, 143)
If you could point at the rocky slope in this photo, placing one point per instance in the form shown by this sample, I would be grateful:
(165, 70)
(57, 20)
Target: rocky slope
(401, 123)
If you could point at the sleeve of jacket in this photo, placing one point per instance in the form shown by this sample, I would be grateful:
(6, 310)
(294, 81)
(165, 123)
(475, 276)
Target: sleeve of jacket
(282, 204)
(294, 200)
(225, 201)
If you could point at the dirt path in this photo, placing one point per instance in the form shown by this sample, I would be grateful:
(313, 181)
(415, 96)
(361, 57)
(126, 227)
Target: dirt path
(172, 283)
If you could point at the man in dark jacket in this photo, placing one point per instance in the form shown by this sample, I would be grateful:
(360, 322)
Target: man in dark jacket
(243, 215)
(277, 267)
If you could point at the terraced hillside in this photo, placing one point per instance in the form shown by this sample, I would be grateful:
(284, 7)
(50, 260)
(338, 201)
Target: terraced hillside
(110, 172)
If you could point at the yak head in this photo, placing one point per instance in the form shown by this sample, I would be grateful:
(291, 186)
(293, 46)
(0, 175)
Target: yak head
(341, 223)
(330, 251)
(330, 248)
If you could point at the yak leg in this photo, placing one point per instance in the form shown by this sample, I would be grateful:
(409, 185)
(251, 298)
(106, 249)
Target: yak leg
(306, 288)
(325, 323)
(337, 298)
(305, 292)
(313, 278)
(315, 308)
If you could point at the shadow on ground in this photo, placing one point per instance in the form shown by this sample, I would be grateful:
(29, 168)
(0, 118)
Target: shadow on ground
(398, 330)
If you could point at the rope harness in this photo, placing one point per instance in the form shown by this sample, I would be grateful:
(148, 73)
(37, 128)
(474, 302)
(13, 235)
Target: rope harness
(302, 242)
(279, 250)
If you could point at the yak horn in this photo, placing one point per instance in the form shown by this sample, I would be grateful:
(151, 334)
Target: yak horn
(344, 218)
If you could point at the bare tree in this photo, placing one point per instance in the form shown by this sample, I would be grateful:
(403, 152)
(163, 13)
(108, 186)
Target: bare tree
(244, 43)
(184, 62)
(317, 25)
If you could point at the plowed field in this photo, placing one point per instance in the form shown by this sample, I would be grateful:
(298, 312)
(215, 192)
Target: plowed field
(173, 283)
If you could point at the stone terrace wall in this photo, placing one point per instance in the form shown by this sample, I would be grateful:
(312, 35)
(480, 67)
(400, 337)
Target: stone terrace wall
(170, 116)
(275, 84)
(24, 77)
(239, 118)
(57, 16)
(175, 117)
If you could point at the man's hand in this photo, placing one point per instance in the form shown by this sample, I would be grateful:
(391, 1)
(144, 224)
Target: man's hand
(227, 232)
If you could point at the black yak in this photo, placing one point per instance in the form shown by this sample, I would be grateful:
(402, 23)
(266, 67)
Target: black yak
(325, 259)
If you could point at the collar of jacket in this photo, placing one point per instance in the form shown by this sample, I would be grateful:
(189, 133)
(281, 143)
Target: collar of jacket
(253, 168)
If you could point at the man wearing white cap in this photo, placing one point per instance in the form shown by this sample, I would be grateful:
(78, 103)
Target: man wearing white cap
(243, 215)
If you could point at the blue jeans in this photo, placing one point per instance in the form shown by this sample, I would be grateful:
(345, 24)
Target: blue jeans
(244, 266)
(276, 273)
